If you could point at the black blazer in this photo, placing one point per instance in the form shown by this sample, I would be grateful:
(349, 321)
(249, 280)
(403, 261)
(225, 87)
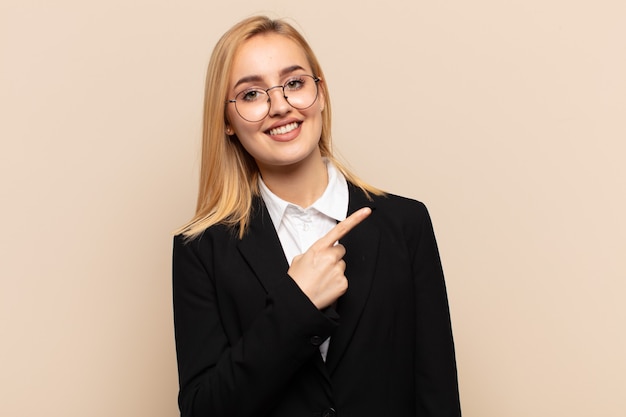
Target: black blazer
(247, 337)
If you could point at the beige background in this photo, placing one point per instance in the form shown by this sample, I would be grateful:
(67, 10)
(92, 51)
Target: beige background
(507, 118)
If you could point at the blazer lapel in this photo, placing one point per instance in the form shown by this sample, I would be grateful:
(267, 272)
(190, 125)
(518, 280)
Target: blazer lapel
(262, 250)
(361, 256)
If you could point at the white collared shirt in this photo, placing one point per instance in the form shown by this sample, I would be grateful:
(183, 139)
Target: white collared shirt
(298, 228)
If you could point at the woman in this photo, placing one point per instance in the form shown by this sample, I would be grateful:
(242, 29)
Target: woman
(273, 317)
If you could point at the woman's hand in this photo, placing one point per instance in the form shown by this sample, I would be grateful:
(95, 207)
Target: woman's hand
(319, 272)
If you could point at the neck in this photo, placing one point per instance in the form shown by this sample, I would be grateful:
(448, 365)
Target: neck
(300, 184)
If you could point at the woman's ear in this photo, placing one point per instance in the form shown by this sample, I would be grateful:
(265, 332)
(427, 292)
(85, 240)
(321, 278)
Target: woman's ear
(229, 130)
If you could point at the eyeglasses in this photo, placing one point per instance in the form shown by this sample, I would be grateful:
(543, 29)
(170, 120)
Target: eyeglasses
(254, 104)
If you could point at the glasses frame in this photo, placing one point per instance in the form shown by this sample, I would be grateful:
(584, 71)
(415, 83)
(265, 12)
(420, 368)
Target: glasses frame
(316, 80)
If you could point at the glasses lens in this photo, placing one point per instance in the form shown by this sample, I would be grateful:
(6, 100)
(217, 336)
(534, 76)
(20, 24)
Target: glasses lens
(301, 91)
(252, 105)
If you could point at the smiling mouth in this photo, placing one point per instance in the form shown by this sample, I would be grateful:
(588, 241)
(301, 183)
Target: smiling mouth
(284, 129)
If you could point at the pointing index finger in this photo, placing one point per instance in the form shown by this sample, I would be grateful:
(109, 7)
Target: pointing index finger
(342, 228)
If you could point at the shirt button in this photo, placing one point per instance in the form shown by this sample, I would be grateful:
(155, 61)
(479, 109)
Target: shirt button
(316, 340)
(329, 412)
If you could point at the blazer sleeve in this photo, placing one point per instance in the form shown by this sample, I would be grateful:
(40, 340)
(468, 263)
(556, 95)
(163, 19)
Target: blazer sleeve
(219, 377)
(435, 365)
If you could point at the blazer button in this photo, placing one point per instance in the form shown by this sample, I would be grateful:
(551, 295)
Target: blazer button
(316, 341)
(329, 412)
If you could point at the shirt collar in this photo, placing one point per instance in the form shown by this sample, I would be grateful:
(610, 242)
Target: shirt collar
(332, 203)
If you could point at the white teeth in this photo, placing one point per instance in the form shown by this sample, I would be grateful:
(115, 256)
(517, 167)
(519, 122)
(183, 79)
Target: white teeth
(284, 129)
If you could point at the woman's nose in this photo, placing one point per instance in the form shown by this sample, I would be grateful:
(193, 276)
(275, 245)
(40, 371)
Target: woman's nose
(278, 102)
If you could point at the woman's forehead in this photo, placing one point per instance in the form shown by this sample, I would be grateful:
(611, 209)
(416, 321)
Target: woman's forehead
(267, 55)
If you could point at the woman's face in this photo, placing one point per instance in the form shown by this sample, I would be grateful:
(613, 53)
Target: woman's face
(287, 136)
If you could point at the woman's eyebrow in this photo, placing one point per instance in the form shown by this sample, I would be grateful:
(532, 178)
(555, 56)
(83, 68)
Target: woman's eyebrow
(258, 78)
(290, 69)
(248, 79)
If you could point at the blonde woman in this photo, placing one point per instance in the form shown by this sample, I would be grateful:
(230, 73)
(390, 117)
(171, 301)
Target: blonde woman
(299, 290)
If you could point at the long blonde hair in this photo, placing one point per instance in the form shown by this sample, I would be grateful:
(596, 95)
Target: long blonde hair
(228, 174)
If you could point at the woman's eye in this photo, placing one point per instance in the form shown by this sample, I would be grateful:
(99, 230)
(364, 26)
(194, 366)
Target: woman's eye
(251, 95)
(294, 84)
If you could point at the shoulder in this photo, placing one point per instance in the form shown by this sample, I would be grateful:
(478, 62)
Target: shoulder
(194, 258)
(215, 235)
(398, 203)
(405, 215)
(222, 236)
(400, 219)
